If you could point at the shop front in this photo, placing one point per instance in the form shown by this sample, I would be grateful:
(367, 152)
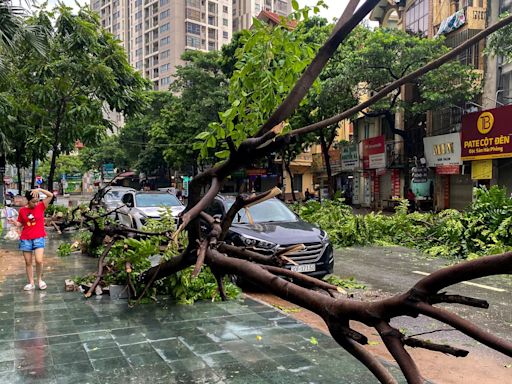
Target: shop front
(486, 143)
(373, 155)
(450, 188)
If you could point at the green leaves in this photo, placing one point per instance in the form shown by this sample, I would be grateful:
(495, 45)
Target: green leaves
(483, 228)
(269, 62)
(500, 42)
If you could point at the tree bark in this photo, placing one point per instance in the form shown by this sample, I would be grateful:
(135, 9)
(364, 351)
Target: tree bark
(33, 175)
(327, 161)
(290, 174)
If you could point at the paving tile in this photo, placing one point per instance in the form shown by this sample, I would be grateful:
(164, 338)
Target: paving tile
(61, 337)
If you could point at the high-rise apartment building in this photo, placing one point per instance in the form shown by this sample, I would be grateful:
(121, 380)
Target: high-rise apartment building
(156, 32)
(245, 10)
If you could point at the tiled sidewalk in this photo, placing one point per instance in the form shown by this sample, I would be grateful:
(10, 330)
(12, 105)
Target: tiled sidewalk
(54, 336)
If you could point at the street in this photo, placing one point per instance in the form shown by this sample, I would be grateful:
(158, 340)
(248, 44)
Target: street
(392, 270)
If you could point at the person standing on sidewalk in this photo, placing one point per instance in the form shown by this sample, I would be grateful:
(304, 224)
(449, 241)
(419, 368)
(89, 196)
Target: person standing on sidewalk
(32, 238)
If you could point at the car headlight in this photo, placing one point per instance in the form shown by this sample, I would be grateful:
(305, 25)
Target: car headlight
(324, 236)
(256, 243)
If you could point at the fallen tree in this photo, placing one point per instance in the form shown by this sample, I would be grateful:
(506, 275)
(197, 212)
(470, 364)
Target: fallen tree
(209, 249)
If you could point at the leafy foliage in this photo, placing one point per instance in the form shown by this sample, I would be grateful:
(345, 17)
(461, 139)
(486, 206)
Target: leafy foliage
(270, 60)
(347, 283)
(484, 228)
(140, 253)
(500, 42)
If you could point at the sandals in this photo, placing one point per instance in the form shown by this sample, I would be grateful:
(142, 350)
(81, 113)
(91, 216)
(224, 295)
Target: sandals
(29, 287)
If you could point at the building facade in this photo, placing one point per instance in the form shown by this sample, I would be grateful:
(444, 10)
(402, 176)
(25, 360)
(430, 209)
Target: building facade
(452, 173)
(155, 33)
(245, 10)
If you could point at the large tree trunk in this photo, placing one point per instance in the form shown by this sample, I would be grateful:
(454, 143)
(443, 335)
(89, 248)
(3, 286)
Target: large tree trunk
(327, 161)
(292, 181)
(33, 175)
(55, 154)
(18, 172)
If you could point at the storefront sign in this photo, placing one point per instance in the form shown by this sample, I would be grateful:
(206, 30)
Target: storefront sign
(481, 169)
(381, 171)
(442, 150)
(395, 183)
(256, 171)
(487, 134)
(349, 157)
(355, 189)
(374, 153)
(448, 169)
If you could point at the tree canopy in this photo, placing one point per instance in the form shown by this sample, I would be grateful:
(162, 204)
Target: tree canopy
(83, 73)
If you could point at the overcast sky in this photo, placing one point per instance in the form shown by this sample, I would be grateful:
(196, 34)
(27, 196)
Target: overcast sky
(335, 9)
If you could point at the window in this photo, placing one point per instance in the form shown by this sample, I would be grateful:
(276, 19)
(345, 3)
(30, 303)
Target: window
(165, 40)
(212, 46)
(225, 8)
(257, 8)
(416, 17)
(193, 41)
(225, 34)
(138, 3)
(164, 68)
(164, 54)
(225, 22)
(164, 28)
(212, 20)
(193, 3)
(212, 7)
(138, 52)
(193, 28)
(212, 34)
(165, 81)
(164, 14)
(138, 15)
(164, 2)
(138, 40)
(138, 27)
(193, 14)
(138, 65)
(116, 15)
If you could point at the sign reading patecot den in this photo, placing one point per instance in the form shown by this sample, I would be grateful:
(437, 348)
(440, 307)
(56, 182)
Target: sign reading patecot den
(487, 134)
(442, 150)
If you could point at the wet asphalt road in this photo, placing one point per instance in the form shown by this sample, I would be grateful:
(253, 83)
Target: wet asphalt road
(389, 270)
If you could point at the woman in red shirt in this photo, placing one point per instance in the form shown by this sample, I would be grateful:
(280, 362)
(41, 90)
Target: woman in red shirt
(32, 238)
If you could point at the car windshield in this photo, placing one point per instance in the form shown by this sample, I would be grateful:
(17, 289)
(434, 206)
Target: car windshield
(156, 200)
(268, 211)
(114, 195)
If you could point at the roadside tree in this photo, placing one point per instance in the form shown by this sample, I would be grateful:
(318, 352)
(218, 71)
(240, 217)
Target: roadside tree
(263, 136)
(83, 71)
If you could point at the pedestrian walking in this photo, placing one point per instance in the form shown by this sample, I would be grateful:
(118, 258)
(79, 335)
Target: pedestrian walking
(32, 238)
(307, 195)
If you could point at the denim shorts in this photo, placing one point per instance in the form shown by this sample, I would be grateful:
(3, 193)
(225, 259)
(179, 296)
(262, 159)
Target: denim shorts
(30, 245)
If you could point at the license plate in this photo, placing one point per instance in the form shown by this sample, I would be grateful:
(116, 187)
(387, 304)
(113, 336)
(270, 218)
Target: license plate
(304, 268)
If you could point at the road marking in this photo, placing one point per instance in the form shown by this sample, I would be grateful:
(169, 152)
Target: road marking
(468, 283)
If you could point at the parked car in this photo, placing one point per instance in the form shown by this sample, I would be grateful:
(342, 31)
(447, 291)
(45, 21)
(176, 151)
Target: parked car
(276, 227)
(140, 206)
(112, 197)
